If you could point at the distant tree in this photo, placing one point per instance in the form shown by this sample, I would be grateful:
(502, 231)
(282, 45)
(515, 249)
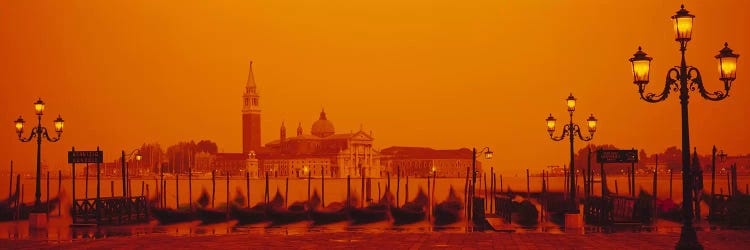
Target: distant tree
(207, 146)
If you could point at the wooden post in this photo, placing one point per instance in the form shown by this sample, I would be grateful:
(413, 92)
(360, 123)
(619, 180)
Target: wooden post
(388, 185)
(86, 182)
(48, 193)
(348, 195)
(492, 187)
(565, 181)
(485, 191)
(603, 181)
(266, 194)
(286, 192)
(629, 188)
(406, 190)
(398, 184)
(227, 207)
(59, 188)
(654, 191)
(323, 190)
(10, 188)
(379, 197)
(466, 191)
(670, 183)
(247, 187)
(632, 179)
(190, 188)
(735, 187)
(20, 198)
(112, 188)
(432, 195)
(147, 192)
(617, 191)
(501, 183)
(428, 197)
(213, 187)
(177, 190)
(729, 182)
(362, 188)
(164, 193)
(309, 180)
(713, 184)
(528, 185)
(368, 190)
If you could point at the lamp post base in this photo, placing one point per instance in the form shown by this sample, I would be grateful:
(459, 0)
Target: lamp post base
(688, 239)
(37, 220)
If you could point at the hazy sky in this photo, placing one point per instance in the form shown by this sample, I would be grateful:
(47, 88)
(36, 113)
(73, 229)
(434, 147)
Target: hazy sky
(443, 74)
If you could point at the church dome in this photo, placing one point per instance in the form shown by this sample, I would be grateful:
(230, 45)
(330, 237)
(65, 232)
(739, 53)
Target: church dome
(323, 127)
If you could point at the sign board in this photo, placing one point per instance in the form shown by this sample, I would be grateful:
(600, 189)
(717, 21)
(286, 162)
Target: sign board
(616, 156)
(85, 157)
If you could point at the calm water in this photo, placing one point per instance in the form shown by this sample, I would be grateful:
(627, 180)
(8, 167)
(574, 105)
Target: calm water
(335, 190)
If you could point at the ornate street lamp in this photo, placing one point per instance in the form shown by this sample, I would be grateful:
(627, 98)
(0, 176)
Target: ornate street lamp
(683, 79)
(135, 154)
(39, 132)
(487, 155)
(570, 130)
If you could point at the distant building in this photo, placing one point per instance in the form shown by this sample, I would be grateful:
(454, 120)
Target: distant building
(421, 161)
(234, 163)
(323, 152)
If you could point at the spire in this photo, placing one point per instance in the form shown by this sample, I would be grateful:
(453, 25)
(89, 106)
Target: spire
(299, 129)
(250, 78)
(283, 131)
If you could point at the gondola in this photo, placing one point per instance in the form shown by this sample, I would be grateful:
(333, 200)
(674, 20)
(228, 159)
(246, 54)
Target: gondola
(172, 216)
(450, 210)
(252, 215)
(280, 215)
(211, 216)
(334, 212)
(411, 212)
(374, 212)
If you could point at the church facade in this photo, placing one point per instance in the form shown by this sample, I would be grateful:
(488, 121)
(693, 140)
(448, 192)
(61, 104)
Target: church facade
(322, 152)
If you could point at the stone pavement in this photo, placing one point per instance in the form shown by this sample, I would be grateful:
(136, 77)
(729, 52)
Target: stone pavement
(397, 240)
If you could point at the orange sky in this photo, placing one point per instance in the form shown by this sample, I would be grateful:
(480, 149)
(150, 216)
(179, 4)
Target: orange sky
(444, 74)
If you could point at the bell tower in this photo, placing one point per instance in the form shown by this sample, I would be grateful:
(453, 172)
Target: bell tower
(250, 115)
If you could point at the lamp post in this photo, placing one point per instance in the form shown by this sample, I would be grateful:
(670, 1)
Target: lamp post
(39, 131)
(570, 130)
(135, 153)
(487, 155)
(677, 80)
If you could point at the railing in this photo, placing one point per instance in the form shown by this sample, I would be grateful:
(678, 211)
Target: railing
(608, 210)
(111, 210)
(503, 207)
(718, 210)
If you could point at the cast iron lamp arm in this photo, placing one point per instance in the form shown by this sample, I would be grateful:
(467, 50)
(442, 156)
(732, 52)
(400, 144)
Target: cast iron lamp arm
(580, 135)
(46, 135)
(670, 83)
(696, 82)
(31, 136)
(566, 128)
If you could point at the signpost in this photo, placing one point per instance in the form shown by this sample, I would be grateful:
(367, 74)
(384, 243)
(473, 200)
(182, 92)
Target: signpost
(620, 156)
(616, 156)
(84, 157)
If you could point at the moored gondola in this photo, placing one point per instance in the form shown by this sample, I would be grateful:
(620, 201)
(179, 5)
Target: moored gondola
(450, 210)
(411, 212)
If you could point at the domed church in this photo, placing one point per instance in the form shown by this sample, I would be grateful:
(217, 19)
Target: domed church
(322, 152)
